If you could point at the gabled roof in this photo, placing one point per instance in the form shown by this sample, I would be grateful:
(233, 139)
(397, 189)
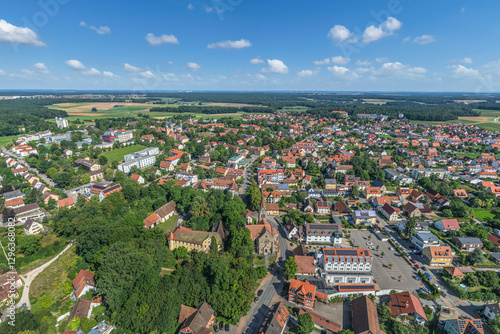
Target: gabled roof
(405, 303)
(364, 316)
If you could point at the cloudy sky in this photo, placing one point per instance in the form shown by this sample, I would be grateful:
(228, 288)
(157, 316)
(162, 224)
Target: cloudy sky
(391, 45)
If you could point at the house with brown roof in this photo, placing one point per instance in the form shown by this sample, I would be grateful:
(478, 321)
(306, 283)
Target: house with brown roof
(322, 323)
(47, 196)
(265, 237)
(67, 202)
(305, 265)
(196, 320)
(405, 303)
(161, 215)
(446, 225)
(454, 272)
(340, 208)
(81, 309)
(278, 322)
(32, 227)
(83, 283)
(365, 317)
(438, 256)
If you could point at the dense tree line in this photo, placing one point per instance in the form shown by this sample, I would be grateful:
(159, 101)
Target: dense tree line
(212, 109)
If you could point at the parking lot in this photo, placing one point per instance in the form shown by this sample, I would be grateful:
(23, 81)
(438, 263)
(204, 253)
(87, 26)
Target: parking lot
(399, 276)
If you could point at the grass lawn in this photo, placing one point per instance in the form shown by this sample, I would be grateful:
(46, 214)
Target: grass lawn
(169, 225)
(482, 214)
(259, 260)
(7, 140)
(468, 155)
(53, 284)
(117, 155)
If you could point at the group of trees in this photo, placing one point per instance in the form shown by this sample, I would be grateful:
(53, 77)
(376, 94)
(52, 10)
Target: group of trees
(212, 109)
(127, 258)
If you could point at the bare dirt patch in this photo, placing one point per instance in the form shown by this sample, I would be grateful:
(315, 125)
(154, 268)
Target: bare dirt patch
(476, 119)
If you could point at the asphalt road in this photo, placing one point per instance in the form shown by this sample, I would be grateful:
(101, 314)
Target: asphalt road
(274, 286)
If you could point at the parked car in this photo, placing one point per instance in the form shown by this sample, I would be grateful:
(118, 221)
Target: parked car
(221, 325)
(216, 328)
(226, 327)
(417, 266)
(413, 261)
(260, 293)
(369, 243)
(256, 299)
(437, 286)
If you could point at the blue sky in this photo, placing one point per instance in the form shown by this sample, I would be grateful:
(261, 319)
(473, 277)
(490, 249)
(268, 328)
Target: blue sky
(391, 45)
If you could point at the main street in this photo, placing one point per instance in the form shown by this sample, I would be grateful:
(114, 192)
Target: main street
(274, 286)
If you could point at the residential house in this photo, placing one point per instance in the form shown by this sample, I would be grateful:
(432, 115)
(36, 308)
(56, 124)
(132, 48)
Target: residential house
(161, 215)
(405, 303)
(364, 217)
(321, 323)
(278, 321)
(139, 179)
(491, 310)
(32, 227)
(67, 202)
(290, 229)
(438, 256)
(96, 175)
(463, 326)
(422, 240)
(364, 316)
(23, 213)
(194, 240)
(389, 212)
(83, 283)
(467, 243)
(446, 225)
(196, 320)
(302, 293)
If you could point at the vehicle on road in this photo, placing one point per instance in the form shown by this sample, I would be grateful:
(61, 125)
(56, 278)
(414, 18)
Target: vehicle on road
(226, 327)
(428, 276)
(221, 325)
(369, 243)
(418, 278)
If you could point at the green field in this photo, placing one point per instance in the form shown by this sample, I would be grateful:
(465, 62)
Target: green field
(117, 155)
(7, 140)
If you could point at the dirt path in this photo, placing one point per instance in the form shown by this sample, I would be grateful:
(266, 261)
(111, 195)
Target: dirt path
(30, 276)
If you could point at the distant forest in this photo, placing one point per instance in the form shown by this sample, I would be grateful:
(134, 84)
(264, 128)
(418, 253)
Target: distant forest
(32, 114)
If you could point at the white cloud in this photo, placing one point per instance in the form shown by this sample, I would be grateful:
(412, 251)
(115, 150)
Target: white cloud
(102, 30)
(361, 70)
(2, 72)
(339, 33)
(132, 69)
(158, 40)
(339, 60)
(209, 9)
(305, 73)
(342, 72)
(190, 6)
(170, 77)
(137, 71)
(109, 74)
(322, 62)
(170, 62)
(260, 76)
(466, 60)
(275, 66)
(462, 9)
(460, 71)
(381, 59)
(42, 68)
(406, 39)
(92, 71)
(424, 39)
(9, 33)
(256, 61)
(242, 43)
(193, 66)
(386, 28)
(399, 70)
(363, 63)
(75, 64)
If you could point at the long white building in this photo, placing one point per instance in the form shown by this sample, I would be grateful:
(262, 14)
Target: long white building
(344, 265)
(141, 159)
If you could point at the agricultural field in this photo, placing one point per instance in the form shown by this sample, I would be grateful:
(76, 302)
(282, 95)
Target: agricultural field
(117, 155)
(83, 111)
